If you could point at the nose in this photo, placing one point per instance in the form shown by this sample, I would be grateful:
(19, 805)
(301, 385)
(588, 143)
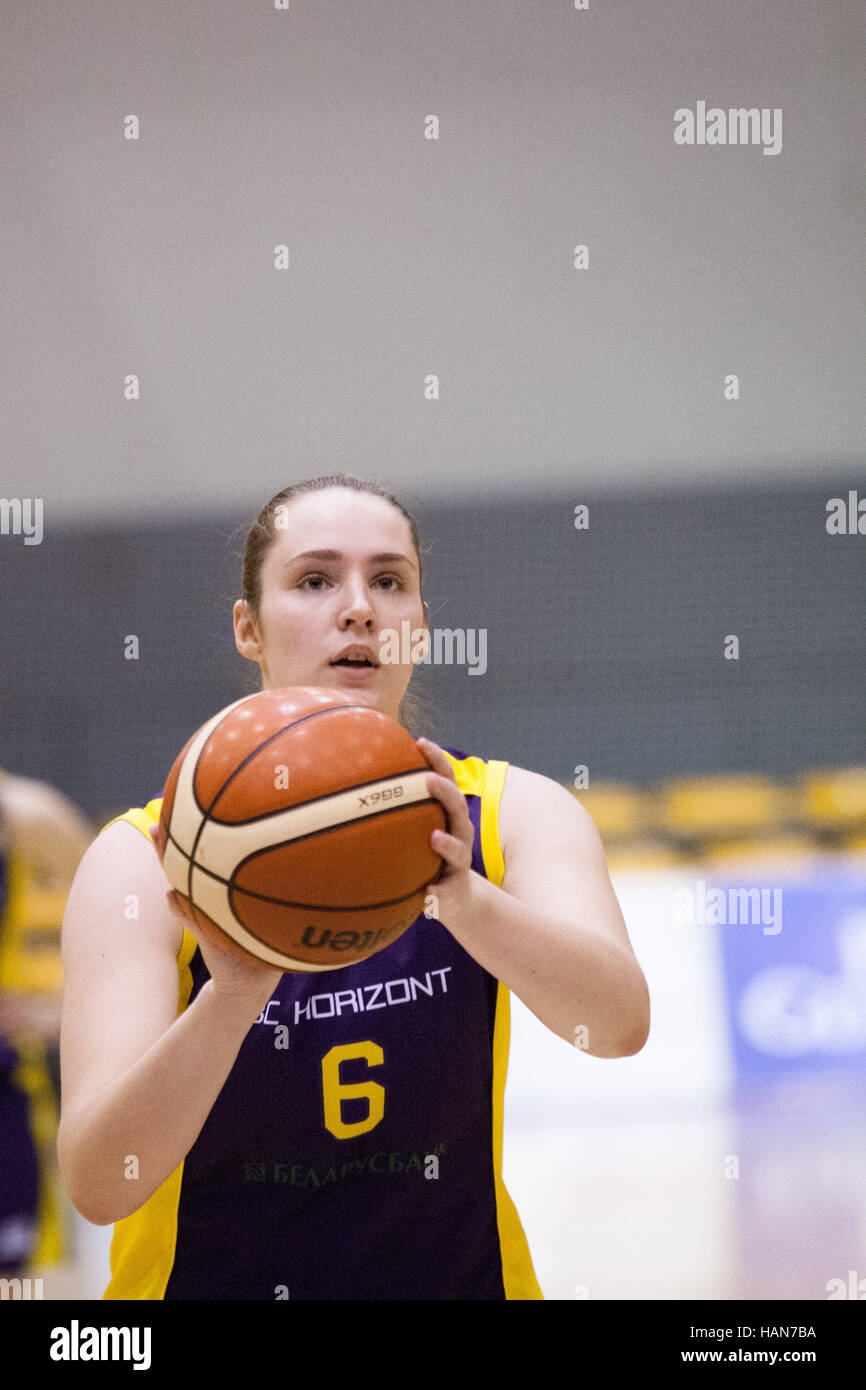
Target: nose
(356, 607)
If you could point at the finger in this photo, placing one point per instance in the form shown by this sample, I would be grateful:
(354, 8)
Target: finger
(442, 842)
(438, 759)
(456, 853)
(452, 800)
(157, 835)
(204, 930)
(180, 907)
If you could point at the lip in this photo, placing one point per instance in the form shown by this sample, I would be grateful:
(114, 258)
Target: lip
(354, 676)
(358, 651)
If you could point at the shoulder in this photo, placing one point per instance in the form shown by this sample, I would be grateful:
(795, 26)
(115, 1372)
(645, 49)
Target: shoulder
(121, 861)
(120, 850)
(553, 854)
(535, 809)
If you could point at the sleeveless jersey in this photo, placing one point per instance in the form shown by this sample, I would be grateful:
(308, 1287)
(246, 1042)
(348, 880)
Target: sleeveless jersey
(355, 1150)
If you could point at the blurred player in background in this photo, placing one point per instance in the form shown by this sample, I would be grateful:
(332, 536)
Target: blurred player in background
(42, 838)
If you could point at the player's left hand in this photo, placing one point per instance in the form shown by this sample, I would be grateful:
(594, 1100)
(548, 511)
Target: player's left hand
(451, 890)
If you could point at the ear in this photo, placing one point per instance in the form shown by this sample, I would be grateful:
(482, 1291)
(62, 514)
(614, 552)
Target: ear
(247, 638)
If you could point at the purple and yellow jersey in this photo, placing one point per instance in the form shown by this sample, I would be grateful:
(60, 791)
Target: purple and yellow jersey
(355, 1150)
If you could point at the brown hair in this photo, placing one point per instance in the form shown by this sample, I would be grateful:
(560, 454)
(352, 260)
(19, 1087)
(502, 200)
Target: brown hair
(414, 711)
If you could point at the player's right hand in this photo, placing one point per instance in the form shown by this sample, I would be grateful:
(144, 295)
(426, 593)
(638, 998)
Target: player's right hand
(235, 973)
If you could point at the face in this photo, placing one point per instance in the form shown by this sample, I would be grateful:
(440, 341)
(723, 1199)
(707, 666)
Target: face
(341, 572)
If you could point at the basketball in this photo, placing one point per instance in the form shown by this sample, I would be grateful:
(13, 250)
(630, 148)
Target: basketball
(299, 823)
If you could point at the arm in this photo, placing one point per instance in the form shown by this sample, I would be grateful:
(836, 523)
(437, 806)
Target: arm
(136, 1078)
(553, 933)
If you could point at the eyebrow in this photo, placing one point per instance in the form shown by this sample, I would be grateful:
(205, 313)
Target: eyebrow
(385, 558)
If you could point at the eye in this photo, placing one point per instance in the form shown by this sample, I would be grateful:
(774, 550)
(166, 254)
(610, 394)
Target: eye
(314, 583)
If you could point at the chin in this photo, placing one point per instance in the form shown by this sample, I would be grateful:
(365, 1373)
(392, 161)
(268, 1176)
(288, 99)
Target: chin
(372, 699)
(358, 694)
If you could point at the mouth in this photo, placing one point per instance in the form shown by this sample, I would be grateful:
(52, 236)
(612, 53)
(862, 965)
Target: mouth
(351, 663)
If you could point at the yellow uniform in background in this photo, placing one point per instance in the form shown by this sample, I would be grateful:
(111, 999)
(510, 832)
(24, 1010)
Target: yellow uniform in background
(42, 837)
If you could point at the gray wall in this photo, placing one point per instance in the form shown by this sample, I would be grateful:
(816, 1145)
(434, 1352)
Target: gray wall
(410, 256)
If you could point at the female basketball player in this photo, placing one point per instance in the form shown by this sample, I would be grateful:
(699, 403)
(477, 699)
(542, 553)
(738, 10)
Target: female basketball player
(335, 1135)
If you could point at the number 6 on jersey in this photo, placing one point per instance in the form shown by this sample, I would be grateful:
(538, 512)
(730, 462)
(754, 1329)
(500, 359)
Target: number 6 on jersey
(335, 1091)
